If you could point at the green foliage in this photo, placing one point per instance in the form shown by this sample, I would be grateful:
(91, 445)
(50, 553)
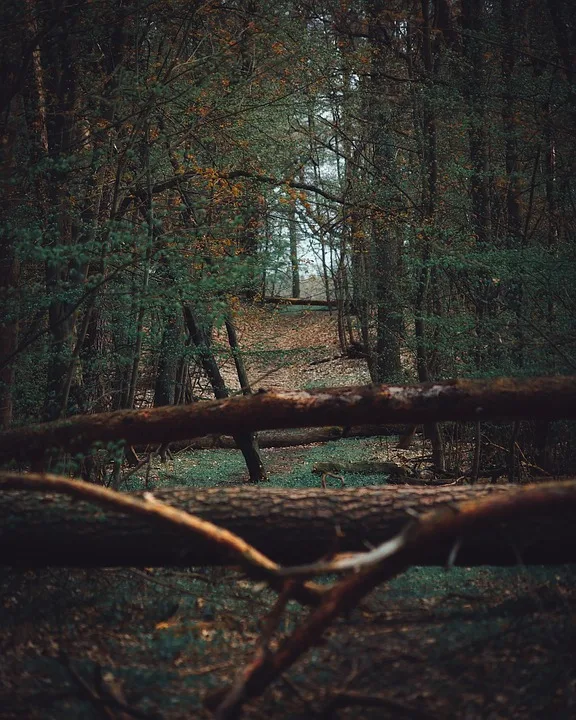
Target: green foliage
(432, 185)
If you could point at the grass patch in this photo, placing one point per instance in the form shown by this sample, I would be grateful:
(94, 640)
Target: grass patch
(287, 467)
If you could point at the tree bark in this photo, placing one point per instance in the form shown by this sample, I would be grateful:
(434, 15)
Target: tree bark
(290, 527)
(237, 355)
(427, 282)
(58, 87)
(462, 400)
(166, 374)
(385, 248)
(13, 196)
(406, 550)
(293, 236)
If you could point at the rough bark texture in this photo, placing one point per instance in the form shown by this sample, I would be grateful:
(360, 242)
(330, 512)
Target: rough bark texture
(473, 400)
(290, 527)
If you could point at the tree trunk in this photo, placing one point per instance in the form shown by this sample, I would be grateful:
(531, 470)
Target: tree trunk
(246, 441)
(293, 235)
(389, 324)
(291, 527)
(238, 361)
(297, 301)
(427, 281)
(58, 89)
(475, 92)
(385, 242)
(165, 384)
(13, 197)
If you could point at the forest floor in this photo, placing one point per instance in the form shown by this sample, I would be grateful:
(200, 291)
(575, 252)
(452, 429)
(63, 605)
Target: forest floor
(290, 347)
(469, 644)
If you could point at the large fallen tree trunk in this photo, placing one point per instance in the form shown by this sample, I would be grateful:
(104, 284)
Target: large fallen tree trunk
(549, 397)
(290, 527)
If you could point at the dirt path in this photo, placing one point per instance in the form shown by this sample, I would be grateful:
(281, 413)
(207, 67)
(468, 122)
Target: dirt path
(280, 344)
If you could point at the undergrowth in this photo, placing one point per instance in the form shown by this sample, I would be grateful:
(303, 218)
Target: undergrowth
(470, 643)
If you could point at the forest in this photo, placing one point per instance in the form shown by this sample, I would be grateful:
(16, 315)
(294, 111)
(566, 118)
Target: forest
(287, 359)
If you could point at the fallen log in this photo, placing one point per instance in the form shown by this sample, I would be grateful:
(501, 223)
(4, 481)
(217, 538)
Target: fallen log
(504, 398)
(291, 527)
(276, 300)
(289, 438)
(362, 467)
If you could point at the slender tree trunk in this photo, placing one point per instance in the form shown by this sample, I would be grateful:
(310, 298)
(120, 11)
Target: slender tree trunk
(72, 365)
(166, 374)
(512, 19)
(293, 235)
(427, 279)
(480, 197)
(58, 91)
(340, 290)
(137, 352)
(236, 353)
(325, 271)
(246, 442)
(472, 20)
(385, 243)
(9, 331)
(389, 323)
(9, 263)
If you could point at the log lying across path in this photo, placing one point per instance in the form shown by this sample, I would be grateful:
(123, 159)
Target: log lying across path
(276, 300)
(472, 400)
(290, 438)
(290, 527)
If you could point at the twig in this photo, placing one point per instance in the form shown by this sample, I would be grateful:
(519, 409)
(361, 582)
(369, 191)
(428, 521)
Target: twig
(102, 698)
(273, 618)
(511, 454)
(145, 461)
(235, 697)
